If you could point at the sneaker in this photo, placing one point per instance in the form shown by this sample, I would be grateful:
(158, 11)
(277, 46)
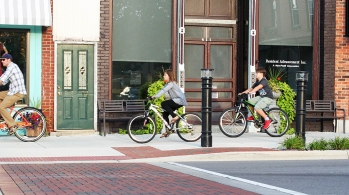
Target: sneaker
(267, 124)
(12, 130)
(250, 119)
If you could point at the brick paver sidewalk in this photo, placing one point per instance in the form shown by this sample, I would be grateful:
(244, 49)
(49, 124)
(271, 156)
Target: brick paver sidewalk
(135, 153)
(107, 178)
(150, 152)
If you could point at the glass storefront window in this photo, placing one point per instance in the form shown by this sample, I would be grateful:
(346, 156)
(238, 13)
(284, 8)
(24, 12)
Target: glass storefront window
(141, 44)
(285, 38)
(15, 42)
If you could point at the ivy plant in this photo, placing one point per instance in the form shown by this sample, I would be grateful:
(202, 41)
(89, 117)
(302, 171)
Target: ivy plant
(152, 90)
(286, 101)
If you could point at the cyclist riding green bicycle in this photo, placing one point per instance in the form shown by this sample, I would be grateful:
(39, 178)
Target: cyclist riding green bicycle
(263, 99)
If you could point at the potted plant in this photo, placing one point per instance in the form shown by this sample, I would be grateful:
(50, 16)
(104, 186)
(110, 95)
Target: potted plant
(282, 92)
(275, 77)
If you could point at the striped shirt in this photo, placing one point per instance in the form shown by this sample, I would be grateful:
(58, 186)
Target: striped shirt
(14, 75)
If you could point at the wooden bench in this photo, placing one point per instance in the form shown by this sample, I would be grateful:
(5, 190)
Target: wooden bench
(108, 109)
(327, 110)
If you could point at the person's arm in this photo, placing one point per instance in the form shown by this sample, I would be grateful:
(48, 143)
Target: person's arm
(167, 87)
(5, 48)
(254, 90)
(246, 91)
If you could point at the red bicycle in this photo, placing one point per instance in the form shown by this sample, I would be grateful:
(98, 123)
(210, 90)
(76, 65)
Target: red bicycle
(31, 124)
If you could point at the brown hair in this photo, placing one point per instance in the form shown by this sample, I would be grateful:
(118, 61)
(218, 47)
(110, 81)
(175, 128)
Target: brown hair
(261, 70)
(171, 74)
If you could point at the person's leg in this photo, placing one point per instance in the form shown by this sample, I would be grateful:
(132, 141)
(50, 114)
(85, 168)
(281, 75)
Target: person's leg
(252, 101)
(260, 105)
(7, 102)
(166, 106)
(169, 106)
(3, 94)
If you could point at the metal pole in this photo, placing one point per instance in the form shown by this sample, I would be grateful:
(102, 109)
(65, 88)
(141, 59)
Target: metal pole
(206, 110)
(301, 103)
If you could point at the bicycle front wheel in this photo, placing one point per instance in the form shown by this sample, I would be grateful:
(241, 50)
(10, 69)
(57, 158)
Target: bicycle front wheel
(31, 124)
(280, 123)
(232, 124)
(189, 127)
(141, 129)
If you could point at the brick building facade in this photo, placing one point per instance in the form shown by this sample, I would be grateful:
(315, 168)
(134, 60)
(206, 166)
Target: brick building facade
(333, 71)
(341, 61)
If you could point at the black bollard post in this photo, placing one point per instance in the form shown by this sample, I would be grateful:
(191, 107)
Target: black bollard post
(206, 109)
(301, 78)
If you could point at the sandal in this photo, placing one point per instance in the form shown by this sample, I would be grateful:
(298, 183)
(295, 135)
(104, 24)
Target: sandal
(12, 130)
(166, 134)
(174, 119)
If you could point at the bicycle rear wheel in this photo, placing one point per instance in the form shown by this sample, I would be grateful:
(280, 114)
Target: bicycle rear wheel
(31, 124)
(141, 129)
(280, 123)
(189, 128)
(232, 124)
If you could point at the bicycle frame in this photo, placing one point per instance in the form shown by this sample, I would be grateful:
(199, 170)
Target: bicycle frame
(24, 123)
(155, 109)
(254, 114)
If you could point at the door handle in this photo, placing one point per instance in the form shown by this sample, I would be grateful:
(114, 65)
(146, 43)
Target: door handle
(59, 93)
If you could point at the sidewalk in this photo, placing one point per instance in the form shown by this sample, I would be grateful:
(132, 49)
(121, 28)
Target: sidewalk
(115, 147)
(94, 164)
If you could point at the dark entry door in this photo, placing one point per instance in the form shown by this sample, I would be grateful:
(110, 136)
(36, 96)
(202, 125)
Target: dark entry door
(210, 55)
(75, 87)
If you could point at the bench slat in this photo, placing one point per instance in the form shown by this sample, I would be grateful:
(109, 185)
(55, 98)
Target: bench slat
(118, 106)
(323, 107)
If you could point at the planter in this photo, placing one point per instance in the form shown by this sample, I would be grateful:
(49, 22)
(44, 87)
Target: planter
(33, 132)
(276, 95)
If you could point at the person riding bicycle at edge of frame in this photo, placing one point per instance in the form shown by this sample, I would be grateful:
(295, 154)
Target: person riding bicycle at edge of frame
(16, 91)
(174, 98)
(264, 98)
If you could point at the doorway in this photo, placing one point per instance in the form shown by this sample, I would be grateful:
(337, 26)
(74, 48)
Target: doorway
(75, 87)
(210, 48)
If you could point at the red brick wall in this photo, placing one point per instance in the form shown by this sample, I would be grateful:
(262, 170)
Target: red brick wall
(104, 51)
(341, 59)
(47, 95)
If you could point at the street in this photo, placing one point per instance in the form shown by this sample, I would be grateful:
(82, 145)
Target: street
(305, 176)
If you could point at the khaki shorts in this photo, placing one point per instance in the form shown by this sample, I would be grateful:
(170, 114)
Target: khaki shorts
(260, 102)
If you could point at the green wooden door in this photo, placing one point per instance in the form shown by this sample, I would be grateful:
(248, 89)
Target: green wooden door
(75, 87)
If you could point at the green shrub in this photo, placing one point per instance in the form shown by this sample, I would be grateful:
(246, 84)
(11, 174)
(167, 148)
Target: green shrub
(286, 102)
(291, 131)
(338, 143)
(293, 143)
(122, 131)
(143, 91)
(318, 145)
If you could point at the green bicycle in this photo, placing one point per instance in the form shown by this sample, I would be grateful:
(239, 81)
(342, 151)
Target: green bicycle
(233, 123)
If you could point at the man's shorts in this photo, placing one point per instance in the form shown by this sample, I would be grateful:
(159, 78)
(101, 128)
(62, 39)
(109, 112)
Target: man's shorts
(260, 102)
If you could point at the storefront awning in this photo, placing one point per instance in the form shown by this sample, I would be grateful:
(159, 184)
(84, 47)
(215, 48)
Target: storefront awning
(26, 12)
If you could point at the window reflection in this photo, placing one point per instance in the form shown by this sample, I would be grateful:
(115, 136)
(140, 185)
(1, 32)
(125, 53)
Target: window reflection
(130, 79)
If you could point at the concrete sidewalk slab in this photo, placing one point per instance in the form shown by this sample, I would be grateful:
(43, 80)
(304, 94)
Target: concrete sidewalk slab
(95, 147)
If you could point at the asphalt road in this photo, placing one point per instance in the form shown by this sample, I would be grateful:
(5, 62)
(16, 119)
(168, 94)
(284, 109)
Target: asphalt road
(307, 176)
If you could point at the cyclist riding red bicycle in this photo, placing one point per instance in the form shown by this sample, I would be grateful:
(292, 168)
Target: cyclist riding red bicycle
(16, 91)
(263, 100)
